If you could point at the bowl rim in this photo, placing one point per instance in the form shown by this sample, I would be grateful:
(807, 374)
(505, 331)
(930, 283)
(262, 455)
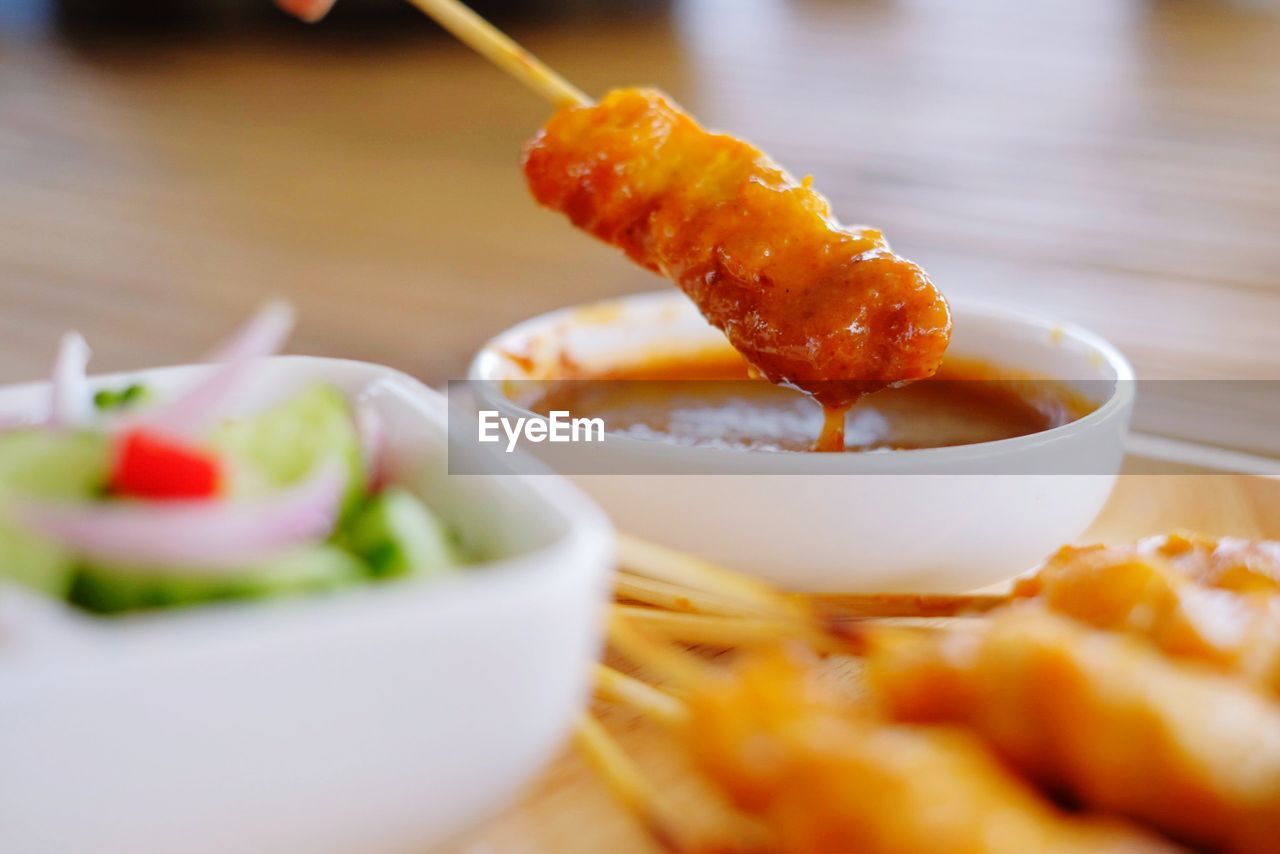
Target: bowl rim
(583, 547)
(1056, 333)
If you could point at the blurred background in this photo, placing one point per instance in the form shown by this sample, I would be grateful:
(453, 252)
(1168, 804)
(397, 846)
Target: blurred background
(165, 165)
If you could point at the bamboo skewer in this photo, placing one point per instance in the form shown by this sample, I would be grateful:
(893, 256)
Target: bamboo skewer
(861, 606)
(612, 763)
(629, 691)
(669, 829)
(696, 602)
(630, 587)
(494, 45)
(722, 631)
(675, 665)
(673, 567)
(624, 780)
(688, 586)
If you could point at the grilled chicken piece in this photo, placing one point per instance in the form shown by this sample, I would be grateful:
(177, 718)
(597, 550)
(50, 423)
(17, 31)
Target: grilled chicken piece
(810, 303)
(1101, 717)
(827, 778)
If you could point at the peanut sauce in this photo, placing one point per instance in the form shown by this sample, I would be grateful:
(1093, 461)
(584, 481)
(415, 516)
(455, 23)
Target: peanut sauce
(716, 399)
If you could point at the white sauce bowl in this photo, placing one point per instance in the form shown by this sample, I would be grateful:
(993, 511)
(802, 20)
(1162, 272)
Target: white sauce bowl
(932, 520)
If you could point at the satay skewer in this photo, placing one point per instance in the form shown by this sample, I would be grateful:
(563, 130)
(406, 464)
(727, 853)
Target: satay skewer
(723, 631)
(871, 319)
(617, 687)
(497, 47)
(633, 588)
(638, 589)
(666, 578)
(626, 782)
(834, 787)
(606, 757)
(685, 671)
(731, 831)
(676, 666)
(862, 606)
(750, 596)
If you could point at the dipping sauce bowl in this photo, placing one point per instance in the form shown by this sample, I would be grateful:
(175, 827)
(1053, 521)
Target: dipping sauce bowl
(945, 519)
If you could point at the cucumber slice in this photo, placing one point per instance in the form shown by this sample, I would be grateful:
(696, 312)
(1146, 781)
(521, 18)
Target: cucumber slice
(45, 464)
(48, 465)
(397, 535)
(112, 590)
(34, 563)
(283, 445)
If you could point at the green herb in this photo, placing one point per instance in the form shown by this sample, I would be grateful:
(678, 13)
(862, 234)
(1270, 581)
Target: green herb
(111, 400)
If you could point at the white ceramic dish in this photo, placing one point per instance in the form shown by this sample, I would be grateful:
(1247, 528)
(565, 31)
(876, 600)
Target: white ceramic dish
(383, 719)
(946, 519)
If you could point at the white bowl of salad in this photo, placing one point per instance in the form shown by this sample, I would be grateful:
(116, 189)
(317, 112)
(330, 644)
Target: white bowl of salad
(243, 607)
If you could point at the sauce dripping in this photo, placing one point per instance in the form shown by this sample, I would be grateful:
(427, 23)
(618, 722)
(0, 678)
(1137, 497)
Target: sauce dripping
(832, 436)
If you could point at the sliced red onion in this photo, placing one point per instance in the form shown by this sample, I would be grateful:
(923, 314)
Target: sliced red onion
(191, 412)
(194, 537)
(373, 436)
(263, 335)
(70, 401)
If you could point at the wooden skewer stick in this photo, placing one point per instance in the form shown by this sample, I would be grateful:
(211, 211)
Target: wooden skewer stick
(664, 564)
(494, 45)
(624, 780)
(629, 587)
(724, 632)
(856, 606)
(618, 687)
(699, 602)
(677, 666)
(669, 829)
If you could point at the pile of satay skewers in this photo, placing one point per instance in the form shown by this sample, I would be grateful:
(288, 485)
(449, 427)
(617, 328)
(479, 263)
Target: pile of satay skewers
(1119, 699)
